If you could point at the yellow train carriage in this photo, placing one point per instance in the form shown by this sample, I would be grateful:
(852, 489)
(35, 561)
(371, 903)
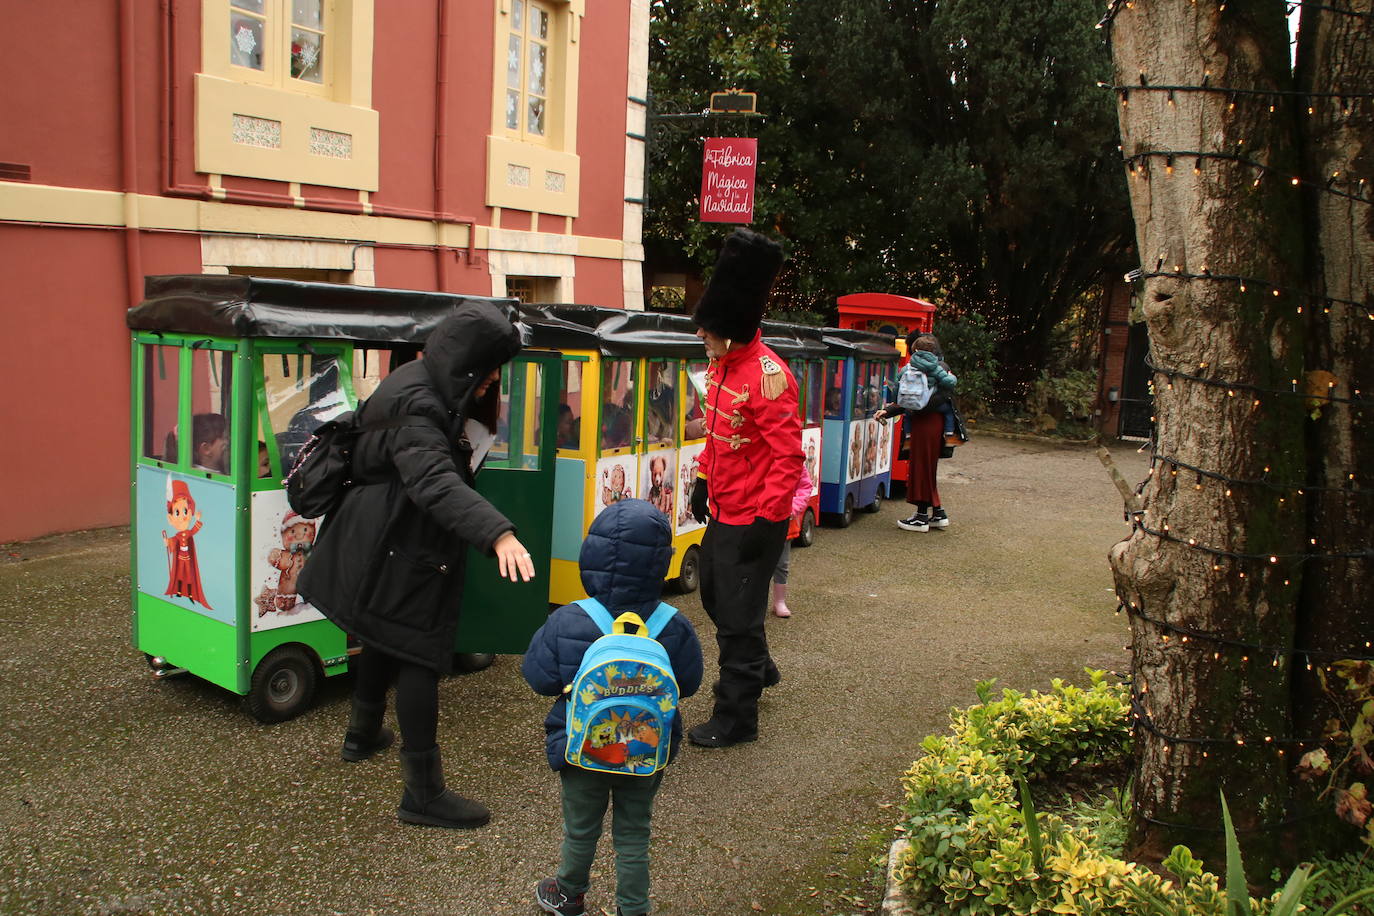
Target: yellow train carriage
(630, 424)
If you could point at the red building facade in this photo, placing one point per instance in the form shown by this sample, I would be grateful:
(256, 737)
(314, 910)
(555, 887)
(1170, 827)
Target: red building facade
(488, 147)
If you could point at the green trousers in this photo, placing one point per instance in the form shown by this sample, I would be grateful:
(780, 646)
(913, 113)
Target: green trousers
(631, 798)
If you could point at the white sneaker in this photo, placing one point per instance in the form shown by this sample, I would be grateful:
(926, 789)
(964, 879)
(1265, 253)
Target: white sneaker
(917, 522)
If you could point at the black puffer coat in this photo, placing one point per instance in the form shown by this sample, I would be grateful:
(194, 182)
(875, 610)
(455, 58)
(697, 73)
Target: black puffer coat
(388, 564)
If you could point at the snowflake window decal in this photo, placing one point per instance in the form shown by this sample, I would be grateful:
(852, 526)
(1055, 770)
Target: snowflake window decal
(245, 40)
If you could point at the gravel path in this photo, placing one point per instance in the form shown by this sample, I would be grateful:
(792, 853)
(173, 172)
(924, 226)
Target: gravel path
(121, 794)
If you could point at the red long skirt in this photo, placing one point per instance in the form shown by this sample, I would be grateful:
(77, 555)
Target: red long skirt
(927, 438)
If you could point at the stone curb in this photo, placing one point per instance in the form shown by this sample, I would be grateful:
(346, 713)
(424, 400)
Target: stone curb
(894, 901)
(1032, 437)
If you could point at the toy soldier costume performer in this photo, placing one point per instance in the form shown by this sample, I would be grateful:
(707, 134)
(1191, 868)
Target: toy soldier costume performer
(747, 476)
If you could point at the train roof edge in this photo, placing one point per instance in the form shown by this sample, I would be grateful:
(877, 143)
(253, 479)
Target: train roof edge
(241, 306)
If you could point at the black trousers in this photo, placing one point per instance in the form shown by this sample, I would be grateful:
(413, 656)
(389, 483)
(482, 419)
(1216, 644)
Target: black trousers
(736, 568)
(417, 694)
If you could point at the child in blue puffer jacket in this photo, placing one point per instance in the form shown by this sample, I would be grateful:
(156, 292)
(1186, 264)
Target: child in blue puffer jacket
(623, 562)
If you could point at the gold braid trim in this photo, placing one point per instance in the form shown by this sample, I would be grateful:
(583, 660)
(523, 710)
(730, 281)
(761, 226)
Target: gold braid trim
(735, 418)
(774, 381)
(734, 441)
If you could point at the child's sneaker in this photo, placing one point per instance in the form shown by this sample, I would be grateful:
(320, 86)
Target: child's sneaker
(938, 519)
(953, 439)
(917, 522)
(549, 895)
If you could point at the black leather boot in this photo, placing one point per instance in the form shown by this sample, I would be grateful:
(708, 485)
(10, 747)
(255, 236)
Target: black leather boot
(427, 800)
(366, 735)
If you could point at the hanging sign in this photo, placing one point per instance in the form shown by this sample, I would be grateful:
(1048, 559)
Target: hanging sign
(727, 179)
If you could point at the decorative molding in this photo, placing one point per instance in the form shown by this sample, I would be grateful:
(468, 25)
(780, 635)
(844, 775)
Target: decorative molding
(264, 133)
(331, 143)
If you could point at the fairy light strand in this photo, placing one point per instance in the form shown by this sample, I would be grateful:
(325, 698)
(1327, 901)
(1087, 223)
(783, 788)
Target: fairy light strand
(1175, 465)
(1146, 86)
(1268, 558)
(1245, 282)
(1294, 180)
(1240, 831)
(1292, 391)
(1142, 718)
(1259, 650)
(1114, 8)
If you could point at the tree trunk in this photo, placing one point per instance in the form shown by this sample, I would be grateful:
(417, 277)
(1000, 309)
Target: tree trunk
(1336, 615)
(1211, 570)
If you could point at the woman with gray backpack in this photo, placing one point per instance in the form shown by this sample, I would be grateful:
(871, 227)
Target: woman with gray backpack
(923, 388)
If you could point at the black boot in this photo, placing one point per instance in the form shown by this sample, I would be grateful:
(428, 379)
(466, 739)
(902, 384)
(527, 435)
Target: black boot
(366, 735)
(427, 801)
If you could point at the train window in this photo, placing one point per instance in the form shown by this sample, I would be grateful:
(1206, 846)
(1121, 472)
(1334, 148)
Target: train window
(160, 398)
(873, 387)
(815, 393)
(534, 417)
(617, 403)
(798, 367)
(264, 456)
(369, 368)
(660, 403)
(212, 406)
(570, 407)
(860, 388)
(522, 397)
(694, 417)
(834, 389)
(302, 390)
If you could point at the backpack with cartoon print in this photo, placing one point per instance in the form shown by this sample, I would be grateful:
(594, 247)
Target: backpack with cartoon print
(623, 700)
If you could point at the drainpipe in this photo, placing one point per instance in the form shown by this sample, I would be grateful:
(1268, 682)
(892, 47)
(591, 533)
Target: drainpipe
(133, 254)
(441, 146)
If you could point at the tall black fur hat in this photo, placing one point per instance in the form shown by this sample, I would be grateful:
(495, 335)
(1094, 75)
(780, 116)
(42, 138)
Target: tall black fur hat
(733, 303)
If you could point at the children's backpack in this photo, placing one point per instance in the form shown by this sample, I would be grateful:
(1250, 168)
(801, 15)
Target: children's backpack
(622, 703)
(913, 388)
(323, 469)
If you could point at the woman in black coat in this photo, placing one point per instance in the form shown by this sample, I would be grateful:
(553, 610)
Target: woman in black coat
(388, 564)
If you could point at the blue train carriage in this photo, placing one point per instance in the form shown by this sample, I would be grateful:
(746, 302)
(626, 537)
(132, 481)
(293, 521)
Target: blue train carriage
(630, 424)
(805, 351)
(856, 460)
(230, 376)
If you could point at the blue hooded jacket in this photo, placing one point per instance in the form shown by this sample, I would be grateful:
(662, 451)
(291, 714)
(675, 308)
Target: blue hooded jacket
(623, 562)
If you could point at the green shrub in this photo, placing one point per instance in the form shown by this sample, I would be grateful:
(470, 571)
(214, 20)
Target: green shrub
(1071, 396)
(971, 847)
(1042, 734)
(969, 346)
(1337, 878)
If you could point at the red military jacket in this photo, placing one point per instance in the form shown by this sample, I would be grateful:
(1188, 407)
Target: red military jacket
(753, 455)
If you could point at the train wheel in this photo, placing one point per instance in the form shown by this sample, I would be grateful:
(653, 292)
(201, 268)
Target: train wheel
(470, 662)
(877, 504)
(847, 518)
(283, 685)
(807, 537)
(689, 574)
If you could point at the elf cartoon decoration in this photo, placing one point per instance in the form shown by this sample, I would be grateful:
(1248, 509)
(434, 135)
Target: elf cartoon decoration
(183, 571)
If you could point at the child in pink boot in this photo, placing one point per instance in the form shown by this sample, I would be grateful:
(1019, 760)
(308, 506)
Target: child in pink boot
(800, 500)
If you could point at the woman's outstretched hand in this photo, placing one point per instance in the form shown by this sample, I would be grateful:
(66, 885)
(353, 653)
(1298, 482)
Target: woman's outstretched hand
(513, 559)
